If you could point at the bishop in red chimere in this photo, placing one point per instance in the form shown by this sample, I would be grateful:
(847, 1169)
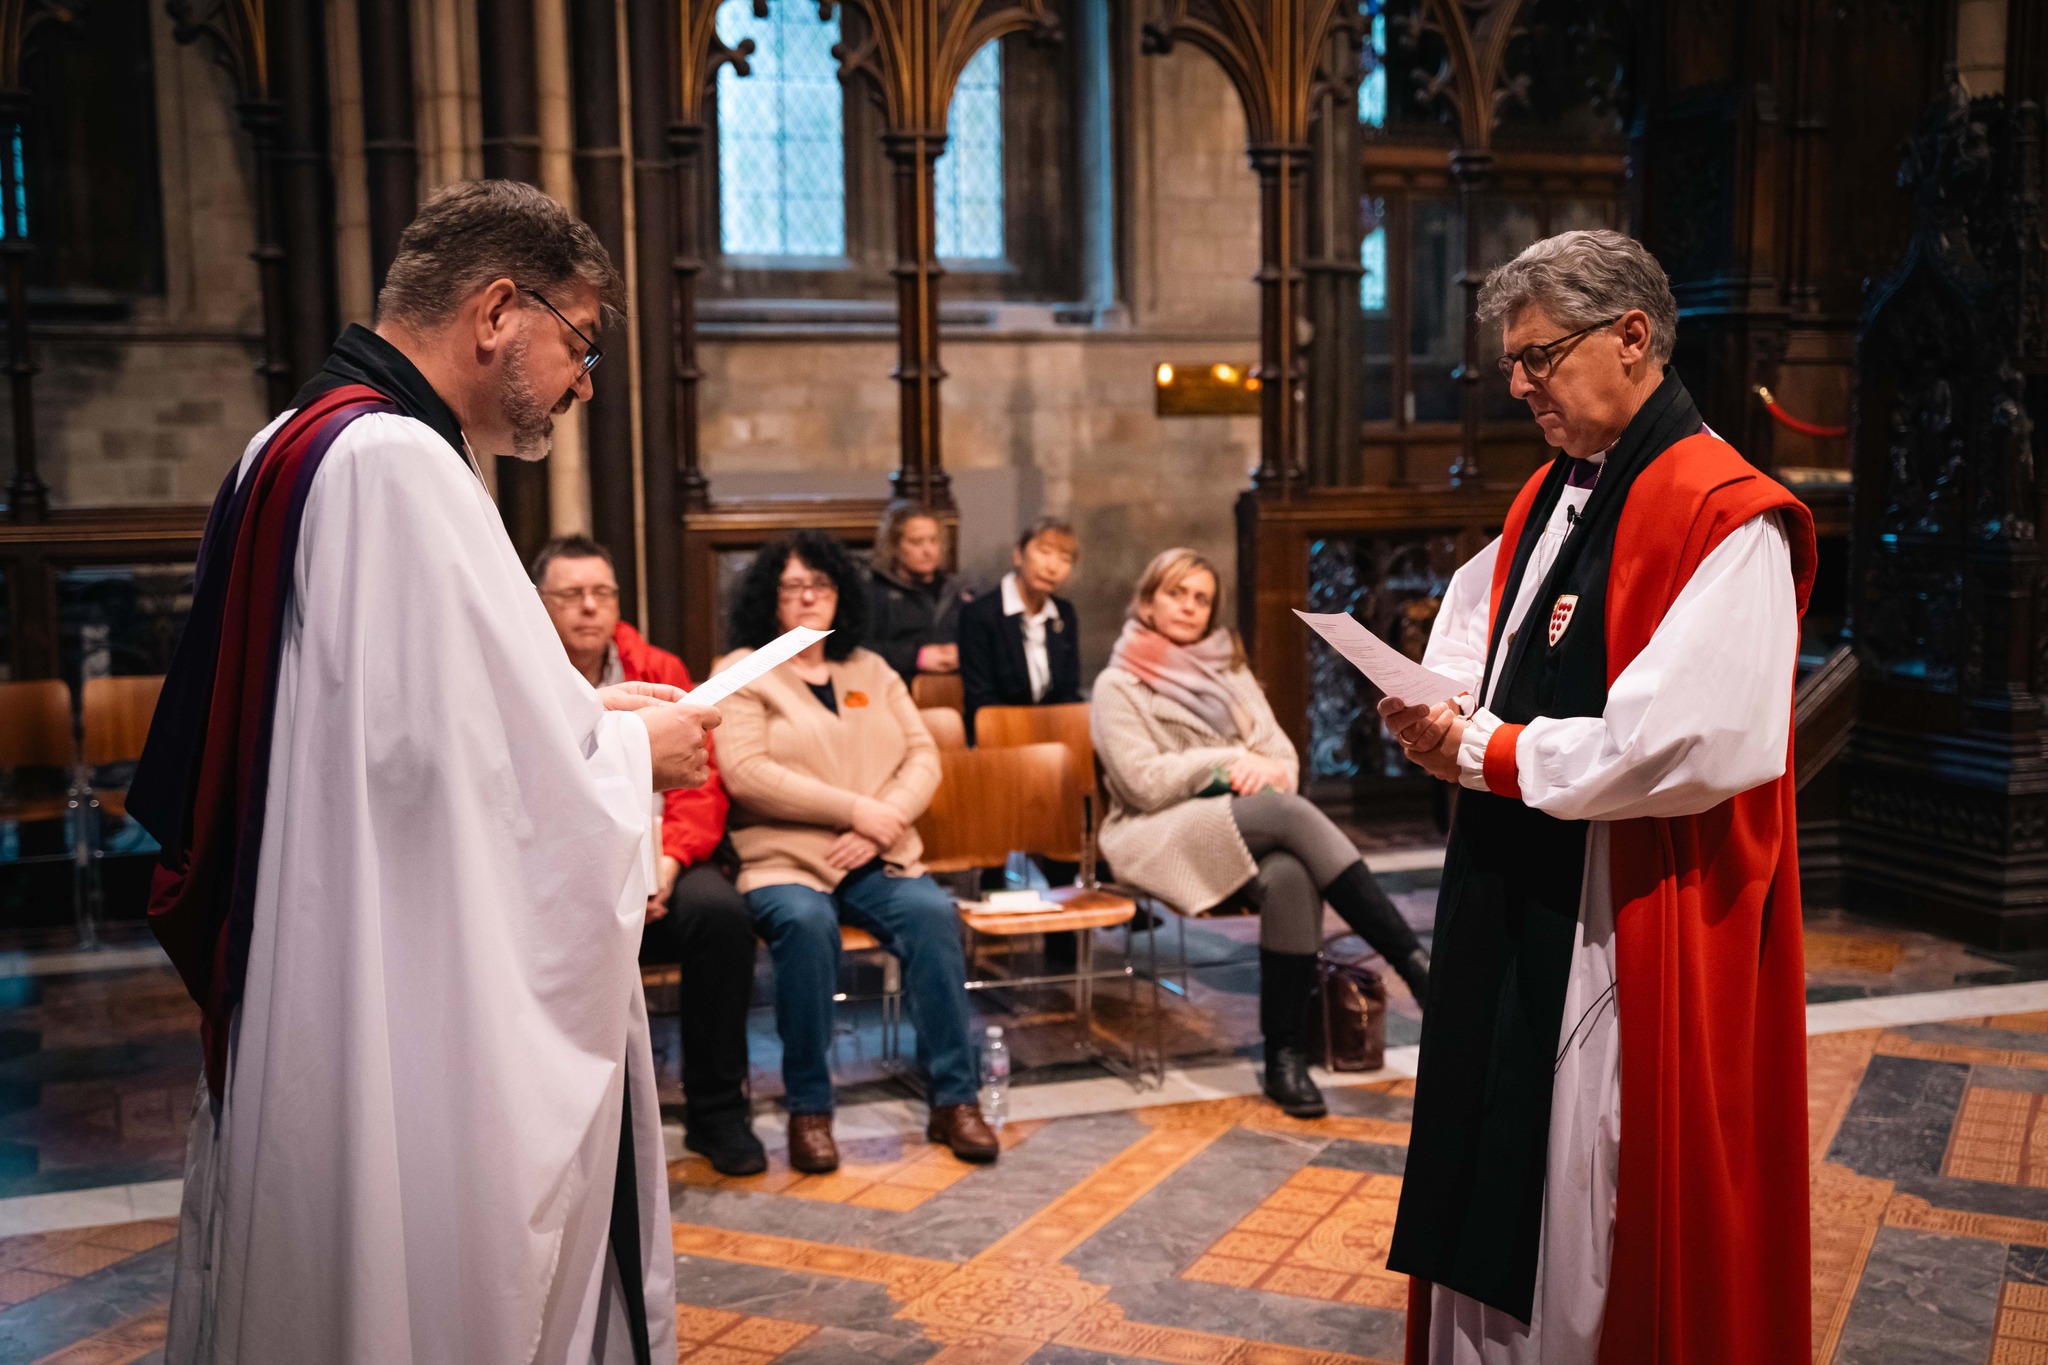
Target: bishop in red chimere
(1608, 1160)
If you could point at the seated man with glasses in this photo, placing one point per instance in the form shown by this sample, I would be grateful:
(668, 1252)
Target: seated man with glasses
(696, 918)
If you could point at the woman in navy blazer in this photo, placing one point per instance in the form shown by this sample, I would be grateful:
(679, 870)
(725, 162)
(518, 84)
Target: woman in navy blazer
(1020, 646)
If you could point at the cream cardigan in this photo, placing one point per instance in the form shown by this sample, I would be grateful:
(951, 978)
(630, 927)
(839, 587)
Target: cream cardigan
(1156, 754)
(794, 768)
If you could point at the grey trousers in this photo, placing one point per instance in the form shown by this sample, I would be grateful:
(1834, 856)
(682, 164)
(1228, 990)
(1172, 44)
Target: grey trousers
(1298, 852)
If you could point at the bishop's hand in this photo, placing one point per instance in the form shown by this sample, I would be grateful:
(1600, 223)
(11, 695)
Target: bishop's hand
(676, 737)
(1429, 735)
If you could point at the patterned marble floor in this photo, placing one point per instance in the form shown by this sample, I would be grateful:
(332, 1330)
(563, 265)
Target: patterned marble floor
(1223, 1233)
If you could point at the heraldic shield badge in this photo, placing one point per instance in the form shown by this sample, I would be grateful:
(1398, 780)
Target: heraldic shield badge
(1561, 616)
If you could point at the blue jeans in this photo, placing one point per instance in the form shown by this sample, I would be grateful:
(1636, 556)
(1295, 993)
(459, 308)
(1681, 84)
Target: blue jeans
(915, 920)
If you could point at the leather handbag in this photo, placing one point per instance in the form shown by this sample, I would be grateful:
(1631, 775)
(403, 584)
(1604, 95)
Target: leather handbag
(1347, 1017)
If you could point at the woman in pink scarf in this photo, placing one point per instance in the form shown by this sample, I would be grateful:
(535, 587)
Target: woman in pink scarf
(1203, 806)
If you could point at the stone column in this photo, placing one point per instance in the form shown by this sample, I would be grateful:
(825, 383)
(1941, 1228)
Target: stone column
(391, 153)
(651, 69)
(601, 201)
(511, 127)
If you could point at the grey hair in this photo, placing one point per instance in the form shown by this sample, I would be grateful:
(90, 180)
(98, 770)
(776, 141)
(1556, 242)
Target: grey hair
(476, 231)
(1583, 278)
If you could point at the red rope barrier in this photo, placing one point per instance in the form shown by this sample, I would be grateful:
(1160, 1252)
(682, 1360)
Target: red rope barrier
(1803, 428)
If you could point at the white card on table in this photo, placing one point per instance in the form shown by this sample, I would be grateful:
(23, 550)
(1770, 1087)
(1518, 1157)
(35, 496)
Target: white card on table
(1391, 671)
(764, 660)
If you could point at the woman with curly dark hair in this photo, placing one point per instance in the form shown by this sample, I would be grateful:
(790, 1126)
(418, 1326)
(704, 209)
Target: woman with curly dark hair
(829, 763)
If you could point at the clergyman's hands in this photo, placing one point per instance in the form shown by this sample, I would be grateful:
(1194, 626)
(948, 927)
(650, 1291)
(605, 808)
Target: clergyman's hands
(851, 850)
(675, 735)
(880, 823)
(634, 696)
(1429, 735)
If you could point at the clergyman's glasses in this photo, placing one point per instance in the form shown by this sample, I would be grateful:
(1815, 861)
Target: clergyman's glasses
(591, 352)
(1539, 360)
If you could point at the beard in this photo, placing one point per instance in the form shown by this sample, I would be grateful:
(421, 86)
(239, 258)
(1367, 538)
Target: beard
(531, 421)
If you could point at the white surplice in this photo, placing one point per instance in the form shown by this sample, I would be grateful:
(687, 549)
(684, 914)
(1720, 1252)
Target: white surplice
(1700, 715)
(415, 1161)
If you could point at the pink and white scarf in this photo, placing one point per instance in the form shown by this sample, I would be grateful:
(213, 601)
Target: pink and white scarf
(1193, 675)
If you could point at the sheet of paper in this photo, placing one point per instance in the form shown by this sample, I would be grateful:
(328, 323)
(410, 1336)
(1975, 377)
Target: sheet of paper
(991, 907)
(1391, 671)
(768, 657)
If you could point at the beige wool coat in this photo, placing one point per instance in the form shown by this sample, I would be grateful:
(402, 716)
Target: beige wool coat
(794, 769)
(1156, 754)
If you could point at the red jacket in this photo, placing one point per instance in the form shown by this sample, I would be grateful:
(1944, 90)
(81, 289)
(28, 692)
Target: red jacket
(693, 821)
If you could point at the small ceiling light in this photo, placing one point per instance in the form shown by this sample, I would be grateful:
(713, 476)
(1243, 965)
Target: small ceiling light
(1165, 375)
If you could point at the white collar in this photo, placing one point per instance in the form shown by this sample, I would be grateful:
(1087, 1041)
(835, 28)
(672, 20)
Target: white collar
(1013, 602)
(469, 453)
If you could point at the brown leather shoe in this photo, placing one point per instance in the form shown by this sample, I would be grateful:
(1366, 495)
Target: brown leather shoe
(811, 1148)
(960, 1127)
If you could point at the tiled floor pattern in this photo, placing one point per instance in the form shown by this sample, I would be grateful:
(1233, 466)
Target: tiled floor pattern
(36, 1264)
(712, 1336)
(874, 1173)
(1930, 1186)
(98, 1054)
(1223, 1233)
(1930, 1229)
(1322, 1235)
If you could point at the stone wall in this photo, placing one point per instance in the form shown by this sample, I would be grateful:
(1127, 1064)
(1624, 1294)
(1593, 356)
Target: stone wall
(152, 408)
(1039, 417)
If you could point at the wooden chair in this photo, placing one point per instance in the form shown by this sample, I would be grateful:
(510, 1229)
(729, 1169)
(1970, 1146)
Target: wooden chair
(1024, 798)
(992, 802)
(1005, 727)
(117, 712)
(35, 733)
(939, 689)
(948, 730)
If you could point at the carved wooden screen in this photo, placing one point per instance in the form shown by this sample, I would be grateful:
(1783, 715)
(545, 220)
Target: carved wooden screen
(1486, 127)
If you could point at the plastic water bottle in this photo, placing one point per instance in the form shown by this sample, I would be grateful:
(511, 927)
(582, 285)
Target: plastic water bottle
(995, 1078)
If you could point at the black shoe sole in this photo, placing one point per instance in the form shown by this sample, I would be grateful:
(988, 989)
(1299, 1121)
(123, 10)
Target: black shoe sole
(977, 1157)
(723, 1162)
(1319, 1110)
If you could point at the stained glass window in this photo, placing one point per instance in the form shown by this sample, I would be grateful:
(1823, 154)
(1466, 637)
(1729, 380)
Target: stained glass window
(16, 223)
(1372, 285)
(781, 136)
(1372, 89)
(968, 197)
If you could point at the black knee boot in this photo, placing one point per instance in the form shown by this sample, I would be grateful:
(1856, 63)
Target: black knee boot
(1358, 899)
(1286, 981)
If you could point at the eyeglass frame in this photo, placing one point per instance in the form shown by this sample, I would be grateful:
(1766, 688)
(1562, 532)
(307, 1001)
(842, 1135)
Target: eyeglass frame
(592, 352)
(816, 587)
(1506, 362)
(562, 597)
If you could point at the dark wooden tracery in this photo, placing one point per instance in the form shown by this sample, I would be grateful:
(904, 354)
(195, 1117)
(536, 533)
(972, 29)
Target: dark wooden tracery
(28, 495)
